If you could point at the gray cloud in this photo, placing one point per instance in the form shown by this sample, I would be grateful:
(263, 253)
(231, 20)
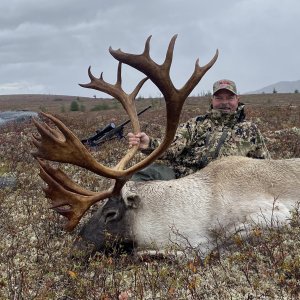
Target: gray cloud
(47, 46)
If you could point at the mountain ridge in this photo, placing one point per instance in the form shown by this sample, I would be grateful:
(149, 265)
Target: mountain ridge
(279, 87)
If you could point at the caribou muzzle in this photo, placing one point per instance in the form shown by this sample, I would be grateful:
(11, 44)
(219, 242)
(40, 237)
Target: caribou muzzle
(108, 230)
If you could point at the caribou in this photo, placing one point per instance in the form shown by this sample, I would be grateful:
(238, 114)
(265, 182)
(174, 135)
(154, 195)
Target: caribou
(231, 192)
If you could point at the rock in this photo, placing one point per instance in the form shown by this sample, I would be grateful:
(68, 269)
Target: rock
(16, 116)
(8, 181)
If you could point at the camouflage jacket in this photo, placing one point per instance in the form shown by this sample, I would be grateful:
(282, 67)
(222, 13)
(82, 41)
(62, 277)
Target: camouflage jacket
(205, 138)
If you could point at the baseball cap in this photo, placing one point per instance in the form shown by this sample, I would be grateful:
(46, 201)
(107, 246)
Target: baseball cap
(224, 84)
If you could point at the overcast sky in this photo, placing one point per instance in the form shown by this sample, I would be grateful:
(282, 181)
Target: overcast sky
(46, 46)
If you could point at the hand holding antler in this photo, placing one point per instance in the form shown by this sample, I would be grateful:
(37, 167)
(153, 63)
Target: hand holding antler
(140, 139)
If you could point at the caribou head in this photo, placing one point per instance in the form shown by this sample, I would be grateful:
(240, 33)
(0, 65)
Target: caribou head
(61, 145)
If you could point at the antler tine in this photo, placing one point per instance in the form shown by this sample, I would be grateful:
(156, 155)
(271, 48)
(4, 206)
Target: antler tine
(198, 73)
(119, 75)
(62, 178)
(146, 51)
(138, 87)
(169, 55)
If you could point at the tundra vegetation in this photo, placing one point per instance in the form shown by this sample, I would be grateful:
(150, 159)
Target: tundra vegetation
(37, 259)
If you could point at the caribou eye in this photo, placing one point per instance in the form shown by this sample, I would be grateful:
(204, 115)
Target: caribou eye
(110, 216)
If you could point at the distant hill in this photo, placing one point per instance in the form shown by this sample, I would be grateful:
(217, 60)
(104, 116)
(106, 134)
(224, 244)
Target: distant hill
(280, 87)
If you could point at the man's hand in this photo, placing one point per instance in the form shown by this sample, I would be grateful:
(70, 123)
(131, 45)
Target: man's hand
(141, 139)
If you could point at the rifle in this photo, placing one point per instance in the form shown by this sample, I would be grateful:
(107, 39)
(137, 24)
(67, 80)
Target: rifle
(109, 132)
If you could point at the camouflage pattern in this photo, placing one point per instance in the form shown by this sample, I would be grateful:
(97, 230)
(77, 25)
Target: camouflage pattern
(196, 141)
(226, 85)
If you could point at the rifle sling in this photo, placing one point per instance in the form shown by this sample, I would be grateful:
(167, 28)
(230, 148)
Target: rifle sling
(220, 143)
(205, 160)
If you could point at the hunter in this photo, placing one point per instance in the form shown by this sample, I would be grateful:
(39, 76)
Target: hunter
(222, 131)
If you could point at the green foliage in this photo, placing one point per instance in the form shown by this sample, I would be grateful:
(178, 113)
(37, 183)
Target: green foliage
(103, 106)
(3, 169)
(62, 109)
(82, 107)
(274, 91)
(74, 106)
(156, 102)
(296, 91)
(43, 108)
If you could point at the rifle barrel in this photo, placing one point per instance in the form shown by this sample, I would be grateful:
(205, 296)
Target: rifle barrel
(139, 113)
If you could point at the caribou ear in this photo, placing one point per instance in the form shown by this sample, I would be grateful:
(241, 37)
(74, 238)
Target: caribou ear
(132, 200)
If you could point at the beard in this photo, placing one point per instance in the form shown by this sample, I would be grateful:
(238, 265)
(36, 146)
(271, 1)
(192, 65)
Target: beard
(224, 108)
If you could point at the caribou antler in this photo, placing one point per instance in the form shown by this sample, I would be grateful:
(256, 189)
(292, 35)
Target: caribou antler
(62, 145)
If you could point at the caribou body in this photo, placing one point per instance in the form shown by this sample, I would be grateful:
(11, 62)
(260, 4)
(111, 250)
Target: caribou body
(228, 192)
(232, 192)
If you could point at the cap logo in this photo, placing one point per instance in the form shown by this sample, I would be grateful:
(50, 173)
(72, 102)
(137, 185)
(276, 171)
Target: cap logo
(224, 82)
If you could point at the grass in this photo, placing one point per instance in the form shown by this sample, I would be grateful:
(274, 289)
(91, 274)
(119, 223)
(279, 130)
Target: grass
(37, 259)
(3, 169)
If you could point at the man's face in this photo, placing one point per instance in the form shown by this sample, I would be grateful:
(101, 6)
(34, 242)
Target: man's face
(225, 101)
